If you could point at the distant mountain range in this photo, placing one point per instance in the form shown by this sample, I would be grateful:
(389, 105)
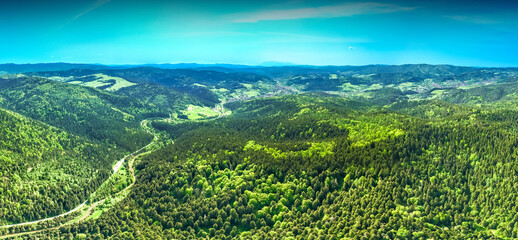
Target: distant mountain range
(214, 83)
(40, 67)
(409, 151)
(265, 67)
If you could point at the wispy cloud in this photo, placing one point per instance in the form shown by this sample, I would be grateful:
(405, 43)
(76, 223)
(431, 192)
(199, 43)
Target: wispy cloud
(271, 37)
(95, 5)
(329, 11)
(212, 34)
(293, 37)
(473, 19)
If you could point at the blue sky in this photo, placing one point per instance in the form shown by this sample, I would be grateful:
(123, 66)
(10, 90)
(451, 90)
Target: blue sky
(469, 33)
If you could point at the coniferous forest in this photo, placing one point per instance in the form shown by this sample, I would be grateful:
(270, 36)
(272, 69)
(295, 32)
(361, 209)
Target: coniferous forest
(258, 120)
(319, 153)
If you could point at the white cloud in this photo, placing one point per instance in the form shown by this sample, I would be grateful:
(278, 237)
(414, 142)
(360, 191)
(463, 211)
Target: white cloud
(330, 11)
(269, 37)
(291, 37)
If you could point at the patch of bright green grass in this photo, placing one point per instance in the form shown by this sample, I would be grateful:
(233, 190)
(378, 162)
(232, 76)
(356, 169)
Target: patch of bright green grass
(196, 112)
(95, 214)
(100, 80)
(75, 82)
(252, 93)
(248, 86)
(119, 82)
(95, 84)
(406, 85)
(375, 87)
(348, 87)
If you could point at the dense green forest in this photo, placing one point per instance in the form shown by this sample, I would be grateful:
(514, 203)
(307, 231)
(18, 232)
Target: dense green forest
(374, 152)
(312, 167)
(83, 111)
(46, 171)
(209, 87)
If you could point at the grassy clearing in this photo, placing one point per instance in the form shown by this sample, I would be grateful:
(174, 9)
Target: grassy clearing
(348, 87)
(374, 87)
(196, 112)
(96, 214)
(75, 82)
(407, 86)
(119, 82)
(248, 86)
(249, 91)
(95, 84)
(252, 93)
(100, 80)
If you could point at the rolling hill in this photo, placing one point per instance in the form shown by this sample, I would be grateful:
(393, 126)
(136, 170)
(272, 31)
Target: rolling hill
(46, 171)
(383, 152)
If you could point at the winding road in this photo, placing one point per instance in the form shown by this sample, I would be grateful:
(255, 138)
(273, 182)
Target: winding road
(116, 167)
(132, 156)
(46, 219)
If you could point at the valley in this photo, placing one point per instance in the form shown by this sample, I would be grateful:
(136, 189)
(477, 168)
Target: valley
(99, 200)
(258, 120)
(408, 151)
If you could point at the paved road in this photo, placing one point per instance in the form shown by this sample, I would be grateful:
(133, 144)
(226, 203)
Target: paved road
(115, 169)
(46, 219)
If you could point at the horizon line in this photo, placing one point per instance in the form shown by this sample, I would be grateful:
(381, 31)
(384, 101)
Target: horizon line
(264, 64)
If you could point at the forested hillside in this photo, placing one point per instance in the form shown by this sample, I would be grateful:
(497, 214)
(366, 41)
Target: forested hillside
(324, 168)
(83, 111)
(258, 120)
(383, 152)
(209, 87)
(45, 171)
